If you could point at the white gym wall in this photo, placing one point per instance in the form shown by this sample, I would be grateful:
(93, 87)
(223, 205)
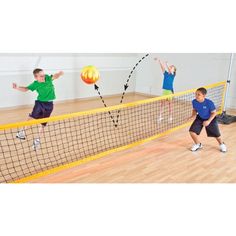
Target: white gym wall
(193, 70)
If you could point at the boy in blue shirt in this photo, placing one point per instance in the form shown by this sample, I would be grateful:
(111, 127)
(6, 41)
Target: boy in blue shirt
(204, 112)
(169, 73)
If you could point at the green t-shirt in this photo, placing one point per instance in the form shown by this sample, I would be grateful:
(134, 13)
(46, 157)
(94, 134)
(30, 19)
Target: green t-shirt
(45, 90)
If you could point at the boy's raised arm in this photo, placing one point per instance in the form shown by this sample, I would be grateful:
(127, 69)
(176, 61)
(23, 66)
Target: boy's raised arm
(57, 75)
(168, 68)
(161, 65)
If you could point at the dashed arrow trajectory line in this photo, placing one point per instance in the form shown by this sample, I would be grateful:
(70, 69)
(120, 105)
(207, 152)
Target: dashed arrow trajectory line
(126, 85)
(105, 105)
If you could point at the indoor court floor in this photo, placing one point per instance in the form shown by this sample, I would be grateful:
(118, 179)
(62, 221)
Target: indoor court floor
(164, 160)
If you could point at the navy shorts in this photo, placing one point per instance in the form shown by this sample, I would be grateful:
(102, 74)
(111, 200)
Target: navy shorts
(42, 110)
(212, 129)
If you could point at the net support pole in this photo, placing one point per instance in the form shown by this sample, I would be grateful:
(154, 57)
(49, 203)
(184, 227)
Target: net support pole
(228, 82)
(225, 118)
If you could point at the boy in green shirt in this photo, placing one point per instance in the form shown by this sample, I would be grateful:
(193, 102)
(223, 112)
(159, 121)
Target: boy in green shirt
(43, 107)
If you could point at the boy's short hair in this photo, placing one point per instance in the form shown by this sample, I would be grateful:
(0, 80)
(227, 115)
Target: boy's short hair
(202, 90)
(37, 70)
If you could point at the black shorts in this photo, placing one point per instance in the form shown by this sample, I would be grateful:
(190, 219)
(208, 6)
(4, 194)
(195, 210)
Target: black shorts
(42, 110)
(212, 129)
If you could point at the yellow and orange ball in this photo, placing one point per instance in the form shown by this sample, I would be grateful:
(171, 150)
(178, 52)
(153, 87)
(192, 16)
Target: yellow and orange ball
(90, 74)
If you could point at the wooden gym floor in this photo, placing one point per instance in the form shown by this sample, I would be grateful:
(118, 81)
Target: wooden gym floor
(164, 160)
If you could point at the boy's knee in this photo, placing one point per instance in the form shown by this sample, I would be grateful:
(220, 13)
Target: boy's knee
(192, 133)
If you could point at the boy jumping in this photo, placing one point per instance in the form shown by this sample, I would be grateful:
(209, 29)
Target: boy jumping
(43, 107)
(204, 112)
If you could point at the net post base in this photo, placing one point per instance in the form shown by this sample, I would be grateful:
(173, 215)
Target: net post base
(226, 119)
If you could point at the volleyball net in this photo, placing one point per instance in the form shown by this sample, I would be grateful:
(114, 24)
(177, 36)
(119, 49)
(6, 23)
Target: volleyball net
(71, 139)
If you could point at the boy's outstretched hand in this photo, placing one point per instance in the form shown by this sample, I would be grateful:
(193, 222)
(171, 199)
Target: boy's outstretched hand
(61, 73)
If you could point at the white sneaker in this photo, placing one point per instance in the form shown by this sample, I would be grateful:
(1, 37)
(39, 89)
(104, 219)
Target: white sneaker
(195, 147)
(36, 144)
(20, 134)
(223, 147)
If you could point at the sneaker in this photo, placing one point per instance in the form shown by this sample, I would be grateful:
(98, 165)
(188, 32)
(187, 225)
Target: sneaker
(195, 147)
(21, 134)
(36, 144)
(223, 147)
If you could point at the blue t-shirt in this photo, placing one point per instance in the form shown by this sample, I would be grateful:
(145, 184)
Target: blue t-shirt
(204, 108)
(168, 81)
